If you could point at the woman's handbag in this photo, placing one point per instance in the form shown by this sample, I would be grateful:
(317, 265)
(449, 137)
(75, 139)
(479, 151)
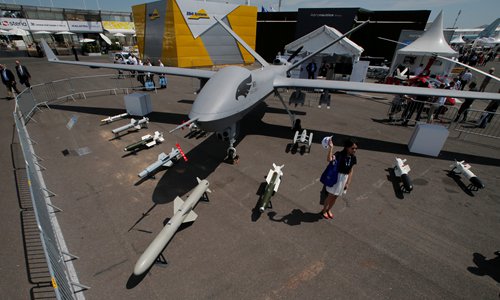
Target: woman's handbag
(330, 174)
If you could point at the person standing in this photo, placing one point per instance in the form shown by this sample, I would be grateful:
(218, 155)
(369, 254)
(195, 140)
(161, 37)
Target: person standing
(417, 105)
(39, 50)
(466, 78)
(462, 111)
(162, 79)
(75, 52)
(23, 74)
(311, 70)
(346, 159)
(8, 80)
(486, 80)
(488, 113)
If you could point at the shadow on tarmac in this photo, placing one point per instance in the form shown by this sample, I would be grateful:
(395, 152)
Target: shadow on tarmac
(252, 124)
(489, 267)
(459, 182)
(296, 217)
(396, 183)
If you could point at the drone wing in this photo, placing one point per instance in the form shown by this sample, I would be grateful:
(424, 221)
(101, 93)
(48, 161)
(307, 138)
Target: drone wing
(204, 74)
(284, 82)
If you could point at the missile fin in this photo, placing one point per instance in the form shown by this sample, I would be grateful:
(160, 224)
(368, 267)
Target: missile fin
(162, 156)
(269, 176)
(277, 184)
(177, 203)
(190, 217)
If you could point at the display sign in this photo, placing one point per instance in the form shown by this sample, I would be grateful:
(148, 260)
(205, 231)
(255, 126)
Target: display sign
(47, 25)
(119, 27)
(200, 15)
(310, 19)
(85, 26)
(10, 23)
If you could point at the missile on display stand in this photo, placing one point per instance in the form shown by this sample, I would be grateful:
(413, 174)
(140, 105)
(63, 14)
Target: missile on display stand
(183, 213)
(273, 180)
(164, 160)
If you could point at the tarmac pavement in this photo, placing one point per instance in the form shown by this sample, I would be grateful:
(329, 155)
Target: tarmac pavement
(437, 242)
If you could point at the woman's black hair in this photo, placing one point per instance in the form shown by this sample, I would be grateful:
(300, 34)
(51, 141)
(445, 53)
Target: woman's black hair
(349, 142)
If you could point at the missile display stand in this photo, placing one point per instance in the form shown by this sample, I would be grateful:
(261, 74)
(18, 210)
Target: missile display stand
(304, 139)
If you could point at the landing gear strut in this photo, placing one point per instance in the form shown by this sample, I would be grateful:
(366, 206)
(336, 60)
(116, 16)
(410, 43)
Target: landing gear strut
(229, 134)
(231, 156)
(295, 122)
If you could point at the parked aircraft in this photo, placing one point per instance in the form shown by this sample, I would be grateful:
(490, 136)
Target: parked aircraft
(227, 95)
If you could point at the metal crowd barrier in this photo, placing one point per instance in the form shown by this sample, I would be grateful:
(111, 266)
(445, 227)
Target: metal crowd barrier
(63, 277)
(477, 122)
(74, 88)
(405, 109)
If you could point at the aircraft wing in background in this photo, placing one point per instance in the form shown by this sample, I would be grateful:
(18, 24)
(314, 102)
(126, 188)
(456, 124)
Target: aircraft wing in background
(196, 73)
(284, 82)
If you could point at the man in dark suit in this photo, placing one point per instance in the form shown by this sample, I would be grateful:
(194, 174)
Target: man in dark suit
(23, 74)
(8, 79)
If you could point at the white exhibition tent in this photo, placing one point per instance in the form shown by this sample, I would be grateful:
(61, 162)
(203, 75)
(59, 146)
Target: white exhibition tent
(487, 41)
(322, 36)
(430, 43)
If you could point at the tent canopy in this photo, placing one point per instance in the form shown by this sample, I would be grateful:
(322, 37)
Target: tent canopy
(431, 42)
(322, 36)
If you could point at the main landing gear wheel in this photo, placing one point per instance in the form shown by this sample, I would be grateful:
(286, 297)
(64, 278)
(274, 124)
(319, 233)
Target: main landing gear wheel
(232, 157)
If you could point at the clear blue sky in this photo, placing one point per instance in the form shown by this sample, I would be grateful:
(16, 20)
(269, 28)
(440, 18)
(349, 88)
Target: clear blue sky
(474, 12)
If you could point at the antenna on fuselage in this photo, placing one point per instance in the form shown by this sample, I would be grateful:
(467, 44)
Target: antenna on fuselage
(261, 60)
(328, 45)
(295, 53)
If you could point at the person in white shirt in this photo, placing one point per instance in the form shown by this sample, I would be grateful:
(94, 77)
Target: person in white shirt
(465, 79)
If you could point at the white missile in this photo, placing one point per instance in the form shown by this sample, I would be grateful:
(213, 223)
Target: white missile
(183, 213)
(137, 124)
(401, 170)
(113, 118)
(164, 160)
(460, 167)
(273, 180)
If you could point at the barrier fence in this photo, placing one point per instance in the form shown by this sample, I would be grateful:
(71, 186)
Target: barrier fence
(62, 279)
(476, 122)
(63, 276)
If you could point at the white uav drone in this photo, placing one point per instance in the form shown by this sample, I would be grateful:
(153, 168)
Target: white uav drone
(229, 94)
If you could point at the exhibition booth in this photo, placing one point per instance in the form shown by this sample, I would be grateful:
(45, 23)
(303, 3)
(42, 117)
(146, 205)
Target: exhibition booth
(187, 34)
(432, 42)
(338, 58)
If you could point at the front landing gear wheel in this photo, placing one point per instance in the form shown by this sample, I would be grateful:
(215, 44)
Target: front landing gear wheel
(231, 157)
